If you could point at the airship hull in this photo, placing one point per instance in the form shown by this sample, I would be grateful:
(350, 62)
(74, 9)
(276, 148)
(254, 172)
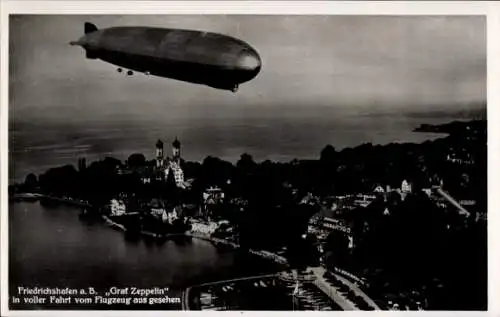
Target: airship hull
(197, 57)
(188, 71)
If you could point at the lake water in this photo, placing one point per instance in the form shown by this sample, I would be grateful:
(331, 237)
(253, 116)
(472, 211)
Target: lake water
(54, 247)
(35, 146)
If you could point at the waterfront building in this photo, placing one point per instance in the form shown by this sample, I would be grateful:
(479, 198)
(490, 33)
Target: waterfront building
(406, 187)
(204, 228)
(118, 207)
(157, 212)
(169, 216)
(156, 207)
(379, 190)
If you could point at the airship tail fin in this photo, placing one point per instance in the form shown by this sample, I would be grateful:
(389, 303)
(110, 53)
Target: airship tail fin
(90, 27)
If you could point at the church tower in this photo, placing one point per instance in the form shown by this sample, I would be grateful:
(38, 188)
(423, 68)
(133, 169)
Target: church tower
(159, 153)
(176, 150)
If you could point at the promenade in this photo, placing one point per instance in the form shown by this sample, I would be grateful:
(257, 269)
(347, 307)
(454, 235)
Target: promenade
(335, 293)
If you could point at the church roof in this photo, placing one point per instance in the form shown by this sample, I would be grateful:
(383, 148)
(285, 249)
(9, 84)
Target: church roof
(159, 143)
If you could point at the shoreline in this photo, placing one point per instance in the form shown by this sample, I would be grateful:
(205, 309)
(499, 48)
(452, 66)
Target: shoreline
(38, 197)
(32, 197)
(346, 276)
(262, 253)
(266, 255)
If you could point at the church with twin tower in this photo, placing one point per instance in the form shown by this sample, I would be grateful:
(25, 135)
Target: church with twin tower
(170, 165)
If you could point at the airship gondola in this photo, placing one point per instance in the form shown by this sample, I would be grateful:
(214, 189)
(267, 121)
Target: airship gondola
(206, 58)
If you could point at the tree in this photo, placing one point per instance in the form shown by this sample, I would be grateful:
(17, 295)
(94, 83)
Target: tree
(338, 244)
(136, 160)
(246, 163)
(60, 180)
(31, 182)
(328, 154)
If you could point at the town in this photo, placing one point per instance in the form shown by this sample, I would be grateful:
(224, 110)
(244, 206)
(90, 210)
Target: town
(405, 222)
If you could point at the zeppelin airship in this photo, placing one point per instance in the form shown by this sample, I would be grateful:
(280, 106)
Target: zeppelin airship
(205, 58)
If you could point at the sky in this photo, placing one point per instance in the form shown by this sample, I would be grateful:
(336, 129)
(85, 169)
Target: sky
(347, 64)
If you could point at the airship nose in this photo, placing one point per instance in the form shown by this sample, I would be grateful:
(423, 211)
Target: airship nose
(249, 61)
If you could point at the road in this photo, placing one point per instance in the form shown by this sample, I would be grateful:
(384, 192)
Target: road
(239, 279)
(453, 202)
(334, 294)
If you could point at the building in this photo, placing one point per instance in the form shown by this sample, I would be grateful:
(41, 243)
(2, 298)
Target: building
(174, 167)
(165, 165)
(463, 159)
(176, 150)
(118, 207)
(213, 192)
(379, 190)
(169, 216)
(156, 207)
(362, 200)
(340, 204)
(427, 191)
(204, 228)
(387, 212)
(160, 160)
(406, 187)
(157, 212)
(212, 197)
(335, 224)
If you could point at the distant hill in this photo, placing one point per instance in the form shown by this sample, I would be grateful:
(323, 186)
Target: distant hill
(453, 127)
(476, 112)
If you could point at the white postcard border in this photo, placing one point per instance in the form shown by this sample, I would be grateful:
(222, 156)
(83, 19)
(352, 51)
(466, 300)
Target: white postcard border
(490, 9)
